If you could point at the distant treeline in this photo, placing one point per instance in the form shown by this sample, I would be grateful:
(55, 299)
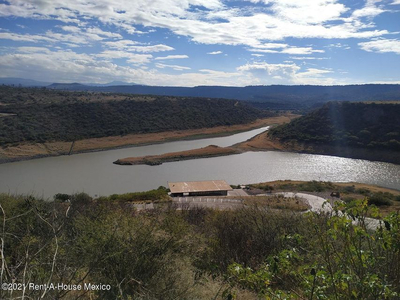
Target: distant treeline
(276, 96)
(373, 126)
(47, 115)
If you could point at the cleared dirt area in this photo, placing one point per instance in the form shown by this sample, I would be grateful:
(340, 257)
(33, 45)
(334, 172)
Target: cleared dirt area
(279, 185)
(348, 191)
(209, 151)
(259, 143)
(29, 151)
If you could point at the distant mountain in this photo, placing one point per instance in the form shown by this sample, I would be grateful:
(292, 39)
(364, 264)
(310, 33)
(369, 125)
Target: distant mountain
(22, 82)
(286, 97)
(274, 96)
(112, 83)
(69, 86)
(32, 83)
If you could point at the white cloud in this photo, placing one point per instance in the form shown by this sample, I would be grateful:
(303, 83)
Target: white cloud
(381, 46)
(33, 50)
(257, 55)
(308, 12)
(61, 66)
(171, 57)
(287, 49)
(265, 69)
(24, 37)
(148, 49)
(215, 52)
(175, 67)
(286, 73)
(132, 58)
(270, 46)
(134, 46)
(279, 19)
(308, 58)
(370, 10)
(301, 50)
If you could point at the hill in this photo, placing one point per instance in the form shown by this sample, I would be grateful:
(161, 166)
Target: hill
(22, 82)
(364, 130)
(277, 97)
(40, 115)
(274, 96)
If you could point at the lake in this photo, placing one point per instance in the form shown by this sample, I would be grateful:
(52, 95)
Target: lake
(95, 174)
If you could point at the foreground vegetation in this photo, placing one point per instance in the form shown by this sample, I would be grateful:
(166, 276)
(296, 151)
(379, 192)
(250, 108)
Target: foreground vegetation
(165, 253)
(40, 115)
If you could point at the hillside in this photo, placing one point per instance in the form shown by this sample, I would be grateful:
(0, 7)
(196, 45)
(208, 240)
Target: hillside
(355, 128)
(281, 97)
(274, 96)
(40, 115)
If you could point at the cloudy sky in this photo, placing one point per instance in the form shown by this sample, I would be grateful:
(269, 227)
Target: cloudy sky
(201, 42)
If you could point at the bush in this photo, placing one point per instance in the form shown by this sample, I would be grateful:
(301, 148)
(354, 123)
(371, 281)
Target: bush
(159, 194)
(62, 197)
(379, 199)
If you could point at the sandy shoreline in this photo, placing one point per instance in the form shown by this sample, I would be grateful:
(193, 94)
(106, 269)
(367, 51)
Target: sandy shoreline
(152, 160)
(262, 142)
(26, 151)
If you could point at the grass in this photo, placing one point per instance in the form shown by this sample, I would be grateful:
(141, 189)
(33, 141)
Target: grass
(276, 202)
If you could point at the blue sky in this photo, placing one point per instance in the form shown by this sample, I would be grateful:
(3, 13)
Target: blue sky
(201, 42)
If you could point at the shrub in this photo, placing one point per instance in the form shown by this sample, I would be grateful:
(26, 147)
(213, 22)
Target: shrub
(379, 199)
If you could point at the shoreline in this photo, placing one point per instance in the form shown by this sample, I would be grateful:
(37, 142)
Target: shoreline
(153, 160)
(23, 152)
(259, 143)
(262, 142)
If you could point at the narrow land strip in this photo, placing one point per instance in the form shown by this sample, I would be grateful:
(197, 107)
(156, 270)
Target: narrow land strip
(209, 151)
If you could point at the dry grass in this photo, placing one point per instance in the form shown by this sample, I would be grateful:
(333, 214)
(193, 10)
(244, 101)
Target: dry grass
(294, 186)
(277, 202)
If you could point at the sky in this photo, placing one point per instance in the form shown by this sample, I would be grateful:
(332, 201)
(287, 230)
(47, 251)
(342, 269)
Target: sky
(201, 42)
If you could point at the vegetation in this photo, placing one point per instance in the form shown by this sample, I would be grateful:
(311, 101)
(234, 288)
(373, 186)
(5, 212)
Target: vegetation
(371, 126)
(271, 97)
(45, 115)
(160, 194)
(165, 253)
(347, 192)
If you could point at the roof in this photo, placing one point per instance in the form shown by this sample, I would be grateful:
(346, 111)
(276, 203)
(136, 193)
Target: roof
(199, 186)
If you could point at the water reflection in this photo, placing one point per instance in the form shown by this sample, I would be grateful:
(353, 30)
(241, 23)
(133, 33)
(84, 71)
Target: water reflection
(95, 174)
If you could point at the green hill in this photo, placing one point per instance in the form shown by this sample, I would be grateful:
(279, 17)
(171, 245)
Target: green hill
(39, 115)
(356, 127)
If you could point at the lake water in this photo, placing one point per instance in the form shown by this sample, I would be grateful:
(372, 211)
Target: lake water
(95, 174)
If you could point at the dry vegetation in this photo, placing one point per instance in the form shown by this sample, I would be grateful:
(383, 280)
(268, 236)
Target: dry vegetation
(277, 202)
(387, 199)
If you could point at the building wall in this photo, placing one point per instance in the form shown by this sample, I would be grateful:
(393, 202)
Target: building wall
(208, 193)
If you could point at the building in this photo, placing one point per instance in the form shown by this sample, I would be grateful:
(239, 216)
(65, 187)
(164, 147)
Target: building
(199, 188)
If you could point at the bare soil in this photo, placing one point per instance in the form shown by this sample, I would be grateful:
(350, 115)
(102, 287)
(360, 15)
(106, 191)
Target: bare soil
(209, 151)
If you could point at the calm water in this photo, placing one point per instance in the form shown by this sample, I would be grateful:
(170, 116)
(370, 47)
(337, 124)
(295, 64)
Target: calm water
(95, 174)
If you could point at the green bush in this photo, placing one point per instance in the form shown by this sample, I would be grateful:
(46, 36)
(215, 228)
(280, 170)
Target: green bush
(159, 194)
(380, 199)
